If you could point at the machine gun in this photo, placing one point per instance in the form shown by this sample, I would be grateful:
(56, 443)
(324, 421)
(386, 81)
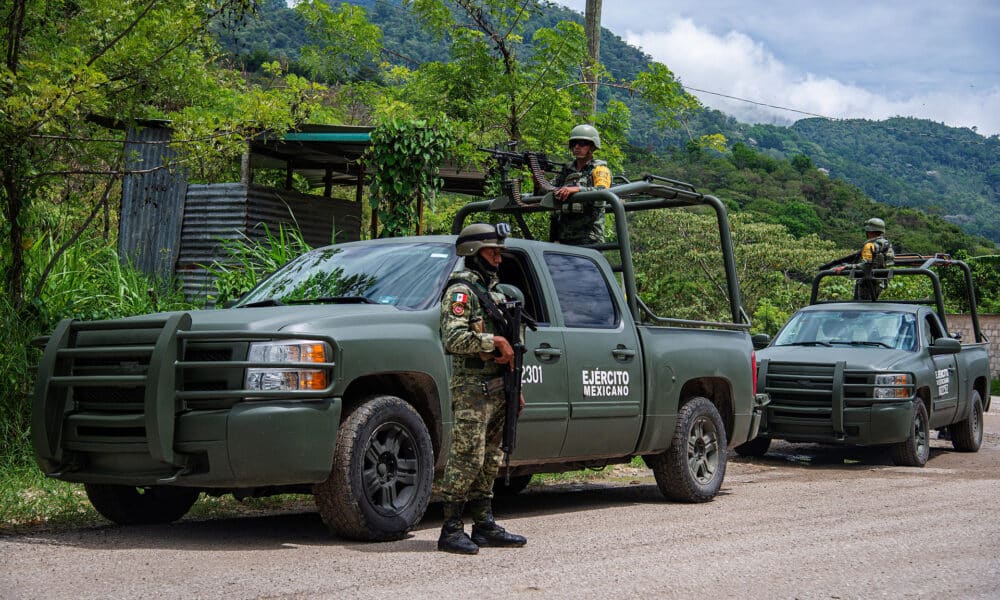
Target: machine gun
(536, 162)
(849, 259)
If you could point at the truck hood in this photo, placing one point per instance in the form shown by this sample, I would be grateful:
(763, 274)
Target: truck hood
(862, 358)
(342, 321)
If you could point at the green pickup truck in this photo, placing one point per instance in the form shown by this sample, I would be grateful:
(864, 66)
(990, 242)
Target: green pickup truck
(330, 379)
(876, 373)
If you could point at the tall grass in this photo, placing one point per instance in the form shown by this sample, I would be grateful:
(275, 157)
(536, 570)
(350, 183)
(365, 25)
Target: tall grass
(249, 262)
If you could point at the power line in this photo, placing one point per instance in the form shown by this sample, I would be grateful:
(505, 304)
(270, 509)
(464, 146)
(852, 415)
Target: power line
(795, 110)
(811, 114)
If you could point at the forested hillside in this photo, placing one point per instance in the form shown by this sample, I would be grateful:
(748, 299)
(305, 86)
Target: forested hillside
(943, 171)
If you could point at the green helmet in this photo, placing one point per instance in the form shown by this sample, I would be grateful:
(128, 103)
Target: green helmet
(586, 132)
(481, 235)
(875, 224)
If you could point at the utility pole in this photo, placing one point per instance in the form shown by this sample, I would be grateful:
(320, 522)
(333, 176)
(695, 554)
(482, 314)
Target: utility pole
(592, 28)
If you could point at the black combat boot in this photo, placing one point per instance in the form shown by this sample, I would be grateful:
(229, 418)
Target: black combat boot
(453, 537)
(486, 532)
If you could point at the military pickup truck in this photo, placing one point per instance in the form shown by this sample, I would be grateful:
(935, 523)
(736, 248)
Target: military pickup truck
(876, 373)
(330, 378)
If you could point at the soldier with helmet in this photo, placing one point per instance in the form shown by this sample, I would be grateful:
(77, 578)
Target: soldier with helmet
(580, 222)
(479, 357)
(876, 253)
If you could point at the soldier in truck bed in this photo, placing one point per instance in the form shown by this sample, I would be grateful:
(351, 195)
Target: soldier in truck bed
(477, 393)
(876, 253)
(580, 222)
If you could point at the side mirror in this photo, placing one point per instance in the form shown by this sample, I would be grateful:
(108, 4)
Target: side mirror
(760, 340)
(945, 346)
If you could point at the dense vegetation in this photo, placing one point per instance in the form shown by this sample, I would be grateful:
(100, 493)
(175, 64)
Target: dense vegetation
(76, 74)
(949, 172)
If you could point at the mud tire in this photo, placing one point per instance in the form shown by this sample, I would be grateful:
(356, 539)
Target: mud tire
(515, 487)
(967, 435)
(383, 469)
(916, 449)
(693, 467)
(755, 447)
(128, 505)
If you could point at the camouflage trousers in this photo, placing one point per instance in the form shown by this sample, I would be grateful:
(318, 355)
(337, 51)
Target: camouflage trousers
(585, 225)
(475, 444)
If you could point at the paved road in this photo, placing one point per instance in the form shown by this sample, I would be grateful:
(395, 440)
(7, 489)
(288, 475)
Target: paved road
(803, 522)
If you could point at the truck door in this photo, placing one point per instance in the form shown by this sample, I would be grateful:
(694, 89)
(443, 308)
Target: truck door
(603, 360)
(542, 426)
(944, 390)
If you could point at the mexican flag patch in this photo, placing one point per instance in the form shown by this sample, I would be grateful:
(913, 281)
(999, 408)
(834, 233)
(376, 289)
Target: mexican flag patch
(459, 297)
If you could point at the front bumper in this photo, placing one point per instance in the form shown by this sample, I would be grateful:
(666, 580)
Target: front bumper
(249, 445)
(886, 423)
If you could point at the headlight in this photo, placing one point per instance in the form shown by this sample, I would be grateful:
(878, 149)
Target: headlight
(297, 375)
(892, 386)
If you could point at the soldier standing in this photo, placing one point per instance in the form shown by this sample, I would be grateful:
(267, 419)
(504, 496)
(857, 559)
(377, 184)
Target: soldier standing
(581, 222)
(876, 253)
(477, 393)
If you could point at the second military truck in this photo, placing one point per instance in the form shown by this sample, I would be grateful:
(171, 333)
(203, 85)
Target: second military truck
(330, 379)
(877, 373)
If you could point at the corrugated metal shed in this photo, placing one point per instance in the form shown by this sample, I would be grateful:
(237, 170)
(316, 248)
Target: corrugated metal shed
(218, 213)
(152, 203)
(168, 227)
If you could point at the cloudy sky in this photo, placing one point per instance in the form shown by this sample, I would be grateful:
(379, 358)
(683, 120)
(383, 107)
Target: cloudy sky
(870, 59)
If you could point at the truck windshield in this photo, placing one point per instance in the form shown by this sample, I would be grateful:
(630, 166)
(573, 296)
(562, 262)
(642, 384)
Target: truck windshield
(875, 329)
(405, 275)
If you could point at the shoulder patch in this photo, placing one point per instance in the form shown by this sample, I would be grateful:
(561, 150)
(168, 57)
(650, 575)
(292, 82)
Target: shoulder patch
(601, 176)
(458, 308)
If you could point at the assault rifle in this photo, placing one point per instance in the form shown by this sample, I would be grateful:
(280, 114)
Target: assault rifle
(510, 328)
(536, 162)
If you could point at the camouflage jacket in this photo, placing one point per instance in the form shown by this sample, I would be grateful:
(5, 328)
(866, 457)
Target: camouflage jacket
(581, 222)
(466, 330)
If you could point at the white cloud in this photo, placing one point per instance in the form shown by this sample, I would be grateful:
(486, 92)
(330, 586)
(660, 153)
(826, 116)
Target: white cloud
(734, 64)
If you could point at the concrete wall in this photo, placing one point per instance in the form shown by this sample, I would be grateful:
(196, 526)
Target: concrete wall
(990, 324)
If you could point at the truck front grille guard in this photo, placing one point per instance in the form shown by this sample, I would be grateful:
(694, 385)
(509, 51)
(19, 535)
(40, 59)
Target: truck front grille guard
(133, 381)
(817, 392)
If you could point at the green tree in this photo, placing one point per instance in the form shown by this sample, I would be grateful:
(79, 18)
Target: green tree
(76, 74)
(505, 89)
(680, 271)
(405, 157)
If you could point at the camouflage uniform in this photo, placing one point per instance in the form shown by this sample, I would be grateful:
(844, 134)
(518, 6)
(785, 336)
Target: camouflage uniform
(581, 222)
(878, 253)
(477, 394)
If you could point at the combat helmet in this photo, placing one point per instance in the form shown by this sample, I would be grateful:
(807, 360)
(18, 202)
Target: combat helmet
(586, 132)
(481, 235)
(875, 224)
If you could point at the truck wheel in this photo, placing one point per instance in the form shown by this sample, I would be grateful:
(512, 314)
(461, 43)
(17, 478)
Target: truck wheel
(383, 468)
(916, 449)
(127, 505)
(755, 447)
(967, 435)
(693, 467)
(513, 488)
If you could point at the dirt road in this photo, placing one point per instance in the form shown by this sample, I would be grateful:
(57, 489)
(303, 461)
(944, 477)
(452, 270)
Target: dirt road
(803, 522)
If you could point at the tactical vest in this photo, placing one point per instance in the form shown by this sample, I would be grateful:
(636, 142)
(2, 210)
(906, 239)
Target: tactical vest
(883, 255)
